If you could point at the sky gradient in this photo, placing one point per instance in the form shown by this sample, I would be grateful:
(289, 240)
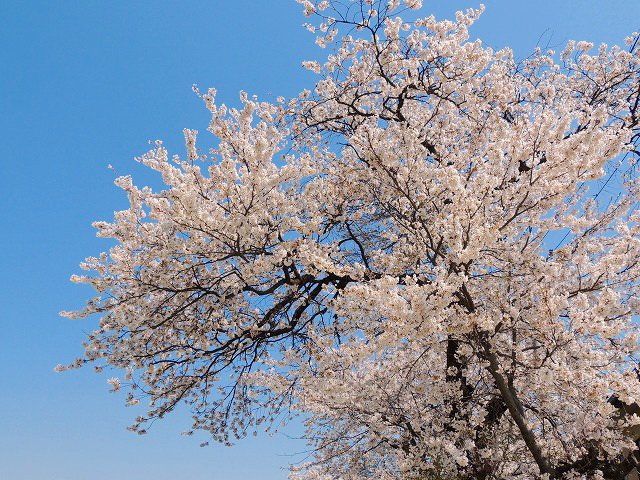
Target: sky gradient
(85, 84)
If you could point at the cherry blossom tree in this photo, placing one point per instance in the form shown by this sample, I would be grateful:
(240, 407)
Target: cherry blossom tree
(433, 256)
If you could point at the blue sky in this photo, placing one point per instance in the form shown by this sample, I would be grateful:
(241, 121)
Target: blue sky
(84, 84)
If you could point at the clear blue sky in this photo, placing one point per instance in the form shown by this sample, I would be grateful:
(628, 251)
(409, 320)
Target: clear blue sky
(84, 84)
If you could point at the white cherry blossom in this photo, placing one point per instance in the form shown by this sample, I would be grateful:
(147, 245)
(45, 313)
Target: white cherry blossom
(433, 254)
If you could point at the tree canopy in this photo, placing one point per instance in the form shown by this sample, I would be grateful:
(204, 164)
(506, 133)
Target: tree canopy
(433, 255)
